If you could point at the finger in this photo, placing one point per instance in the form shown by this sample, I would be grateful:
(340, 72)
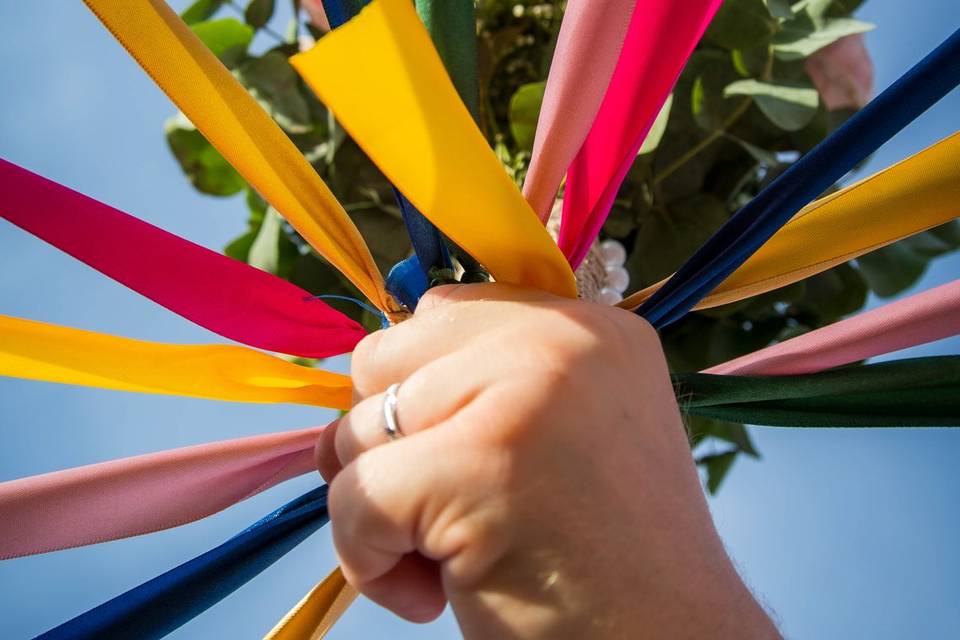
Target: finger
(378, 503)
(428, 397)
(413, 589)
(439, 327)
(325, 453)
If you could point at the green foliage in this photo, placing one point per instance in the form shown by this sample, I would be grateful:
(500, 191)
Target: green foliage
(742, 110)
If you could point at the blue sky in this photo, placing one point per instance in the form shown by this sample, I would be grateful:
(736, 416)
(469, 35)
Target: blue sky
(843, 534)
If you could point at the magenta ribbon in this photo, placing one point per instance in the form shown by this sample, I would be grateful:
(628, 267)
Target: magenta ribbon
(661, 36)
(588, 46)
(921, 318)
(147, 493)
(223, 295)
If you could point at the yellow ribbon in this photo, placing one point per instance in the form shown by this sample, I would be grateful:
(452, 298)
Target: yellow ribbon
(313, 616)
(911, 196)
(241, 130)
(381, 76)
(52, 353)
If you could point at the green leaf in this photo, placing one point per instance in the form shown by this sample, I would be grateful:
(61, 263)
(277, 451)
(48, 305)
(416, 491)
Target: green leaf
(201, 10)
(764, 157)
(524, 112)
(718, 466)
(227, 38)
(277, 87)
(780, 8)
(258, 13)
(741, 24)
(657, 129)
(206, 169)
(799, 38)
(789, 106)
(265, 250)
(894, 268)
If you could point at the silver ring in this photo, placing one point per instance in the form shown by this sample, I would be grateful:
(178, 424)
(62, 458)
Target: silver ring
(390, 402)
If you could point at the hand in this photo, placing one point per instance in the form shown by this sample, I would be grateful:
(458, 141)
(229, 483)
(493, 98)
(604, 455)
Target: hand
(544, 484)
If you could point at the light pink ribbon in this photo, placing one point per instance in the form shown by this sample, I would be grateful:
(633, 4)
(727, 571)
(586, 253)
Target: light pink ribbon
(588, 47)
(138, 495)
(921, 318)
(660, 39)
(223, 295)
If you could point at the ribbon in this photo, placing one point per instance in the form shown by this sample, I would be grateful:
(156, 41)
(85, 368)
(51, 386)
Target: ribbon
(588, 46)
(427, 244)
(233, 122)
(52, 353)
(661, 36)
(918, 89)
(223, 295)
(921, 318)
(919, 392)
(452, 25)
(316, 613)
(911, 196)
(157, 607)
(142, 494)
(459, 183)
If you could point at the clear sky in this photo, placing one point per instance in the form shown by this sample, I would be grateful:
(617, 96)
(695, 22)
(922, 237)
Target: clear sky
(843, 534)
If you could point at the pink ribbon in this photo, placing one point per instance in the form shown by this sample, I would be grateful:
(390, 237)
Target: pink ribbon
(138, 495)
(660, 39)
(588, 47)
(223, 295)
(921, 318)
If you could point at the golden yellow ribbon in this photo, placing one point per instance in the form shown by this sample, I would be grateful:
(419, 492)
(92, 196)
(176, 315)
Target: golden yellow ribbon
(52, 353)
(911, 196)
(233, 122)
(381, 76)
(317, 612)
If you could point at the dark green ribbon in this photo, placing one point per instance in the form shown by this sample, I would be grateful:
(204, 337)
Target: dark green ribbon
(453, 27)
(918, 392)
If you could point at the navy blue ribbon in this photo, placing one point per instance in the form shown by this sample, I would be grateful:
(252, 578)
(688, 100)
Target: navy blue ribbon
(747, 230)
(157, 607)
(426, 240)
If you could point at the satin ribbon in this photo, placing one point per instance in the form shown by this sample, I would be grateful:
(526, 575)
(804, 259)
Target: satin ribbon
(452, 25)
(233, 122)
(921, 318)
(457, 181)
(911, 196)
(51, 353)
(920, 392)
(918, 89)
(161, 605)
(223, 295)
(427, 244)
(588, 46)
(317, 612)
(661, 36)
(141, 494)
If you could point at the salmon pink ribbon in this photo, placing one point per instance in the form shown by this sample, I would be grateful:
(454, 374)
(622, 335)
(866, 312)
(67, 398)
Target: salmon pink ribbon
(142, 494)
(661, 36)
(588, 47)
(218, 293)
(925, 317)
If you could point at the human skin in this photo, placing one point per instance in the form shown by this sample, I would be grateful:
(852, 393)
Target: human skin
(544, 484)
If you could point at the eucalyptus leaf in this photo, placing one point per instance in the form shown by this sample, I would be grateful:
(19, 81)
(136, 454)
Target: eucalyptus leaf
(717, 465)
(789, 106)
(258, 13)
(276, 86)
(741, 24)
(524, 112)
(227, 38)
(657, 129)
(892, 269)
(206, 169)
(797, 41)
(265, 250)
(201, 10)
